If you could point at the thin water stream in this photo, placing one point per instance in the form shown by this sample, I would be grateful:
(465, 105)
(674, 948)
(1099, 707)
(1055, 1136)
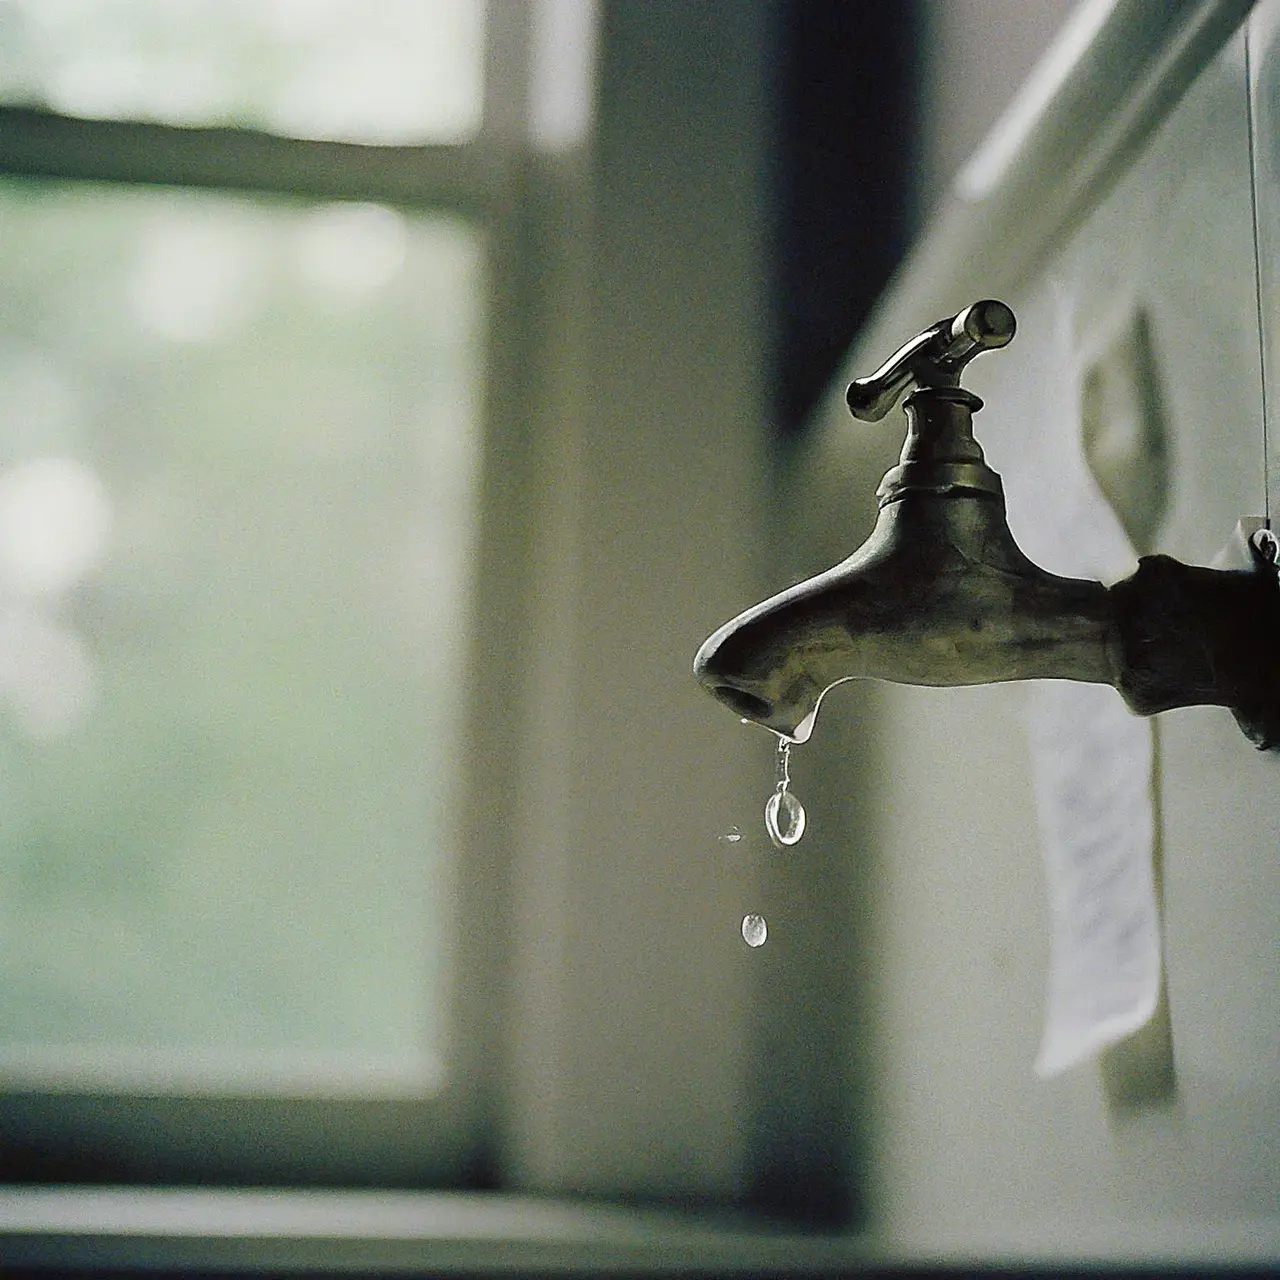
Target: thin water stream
(784, 821)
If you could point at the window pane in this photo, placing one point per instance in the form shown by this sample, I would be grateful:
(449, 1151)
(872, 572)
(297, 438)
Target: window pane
(238, 447)
(398, 71)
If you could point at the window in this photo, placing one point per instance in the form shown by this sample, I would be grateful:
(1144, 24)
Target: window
(248, 343)
(401, 71)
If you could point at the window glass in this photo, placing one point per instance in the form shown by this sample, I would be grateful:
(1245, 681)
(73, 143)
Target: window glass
(238, 454)
(394, 71)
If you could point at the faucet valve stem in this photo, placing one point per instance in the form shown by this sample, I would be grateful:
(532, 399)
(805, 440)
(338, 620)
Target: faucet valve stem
(933, 358)
(940, 454)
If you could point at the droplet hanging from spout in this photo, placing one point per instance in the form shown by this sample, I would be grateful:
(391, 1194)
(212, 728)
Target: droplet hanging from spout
(784, 819)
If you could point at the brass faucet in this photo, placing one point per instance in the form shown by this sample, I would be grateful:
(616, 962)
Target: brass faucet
(940, 593)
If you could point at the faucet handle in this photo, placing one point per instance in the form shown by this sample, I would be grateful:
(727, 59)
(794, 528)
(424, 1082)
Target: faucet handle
(933, 358)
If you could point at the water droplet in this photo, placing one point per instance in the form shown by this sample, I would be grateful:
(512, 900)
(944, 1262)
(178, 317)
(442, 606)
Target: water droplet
(754, 930)
(805, 728)
(784, 818)
(732, 836)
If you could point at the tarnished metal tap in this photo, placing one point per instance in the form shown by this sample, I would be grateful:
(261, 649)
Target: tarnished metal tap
(940, 593)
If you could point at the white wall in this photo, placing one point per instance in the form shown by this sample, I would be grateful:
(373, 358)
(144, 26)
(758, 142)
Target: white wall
(629, 1025)
(654, 1055)
(970, 1153)
(975, 54)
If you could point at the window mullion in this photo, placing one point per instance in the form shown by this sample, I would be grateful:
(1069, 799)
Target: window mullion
(463, 179)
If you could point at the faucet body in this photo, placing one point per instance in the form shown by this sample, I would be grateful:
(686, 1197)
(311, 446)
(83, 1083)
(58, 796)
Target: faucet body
(941, 594)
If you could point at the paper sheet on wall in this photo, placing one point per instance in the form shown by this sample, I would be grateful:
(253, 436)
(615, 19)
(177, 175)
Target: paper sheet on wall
(1093, 763)
(1092, 759)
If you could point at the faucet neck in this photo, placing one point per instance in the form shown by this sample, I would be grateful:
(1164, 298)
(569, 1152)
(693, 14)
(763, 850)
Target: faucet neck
(940, 455)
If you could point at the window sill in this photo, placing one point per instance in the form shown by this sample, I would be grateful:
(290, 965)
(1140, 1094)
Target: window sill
(336, 1232)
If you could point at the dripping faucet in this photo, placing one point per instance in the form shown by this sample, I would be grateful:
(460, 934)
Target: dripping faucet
(941, 594)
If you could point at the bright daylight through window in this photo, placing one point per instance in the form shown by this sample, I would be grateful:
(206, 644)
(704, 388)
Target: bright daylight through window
(392, 72)
(235, 518)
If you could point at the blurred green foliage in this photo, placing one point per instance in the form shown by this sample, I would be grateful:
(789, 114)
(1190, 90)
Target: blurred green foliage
(239, 836)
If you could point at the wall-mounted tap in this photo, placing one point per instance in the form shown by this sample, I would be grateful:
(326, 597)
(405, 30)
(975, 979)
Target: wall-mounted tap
(940, 593)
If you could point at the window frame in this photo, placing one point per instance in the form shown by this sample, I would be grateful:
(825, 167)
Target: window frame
(449, 1137)
(616, 1041)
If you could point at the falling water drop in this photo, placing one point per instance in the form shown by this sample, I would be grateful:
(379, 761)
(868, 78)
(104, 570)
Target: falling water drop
(732, 836)
(754, 930)
(784, 818)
